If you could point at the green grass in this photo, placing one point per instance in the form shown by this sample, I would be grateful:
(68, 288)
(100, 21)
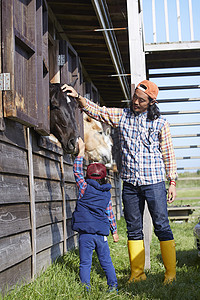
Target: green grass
(61, 280)
(186, 189)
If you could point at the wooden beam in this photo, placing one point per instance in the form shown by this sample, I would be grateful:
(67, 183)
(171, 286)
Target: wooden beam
(32, 201)
(63, 206)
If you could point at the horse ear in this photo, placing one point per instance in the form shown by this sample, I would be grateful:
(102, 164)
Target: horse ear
(87, 118)
(108, 131)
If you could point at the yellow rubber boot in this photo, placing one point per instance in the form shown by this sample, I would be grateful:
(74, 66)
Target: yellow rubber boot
(169, 259)
(137, 260)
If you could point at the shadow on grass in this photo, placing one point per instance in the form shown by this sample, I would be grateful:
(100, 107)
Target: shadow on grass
(70, 261)
(187, 258)
(186, 285)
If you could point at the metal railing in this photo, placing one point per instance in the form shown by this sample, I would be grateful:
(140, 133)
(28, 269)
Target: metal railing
(179, 20)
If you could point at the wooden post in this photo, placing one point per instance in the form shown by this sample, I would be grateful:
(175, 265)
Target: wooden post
(64, 205)
(2, 124)
(138, 73)
(136, 45)
(32, 202)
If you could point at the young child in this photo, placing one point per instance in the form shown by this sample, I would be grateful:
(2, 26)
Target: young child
(93, 218)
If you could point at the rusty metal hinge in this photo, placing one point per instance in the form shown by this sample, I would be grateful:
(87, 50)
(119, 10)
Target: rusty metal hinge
(4, 81)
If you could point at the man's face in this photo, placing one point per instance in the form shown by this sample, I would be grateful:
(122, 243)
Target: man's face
(140, 101)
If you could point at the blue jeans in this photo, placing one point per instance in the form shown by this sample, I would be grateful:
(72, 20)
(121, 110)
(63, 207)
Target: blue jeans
(88, 243)
(134, 200)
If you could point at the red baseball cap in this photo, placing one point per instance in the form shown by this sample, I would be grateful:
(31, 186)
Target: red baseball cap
(149, 88)
(96, 171)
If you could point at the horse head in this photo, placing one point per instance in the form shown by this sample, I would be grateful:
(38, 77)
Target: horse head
(97, 147)
(62, 118)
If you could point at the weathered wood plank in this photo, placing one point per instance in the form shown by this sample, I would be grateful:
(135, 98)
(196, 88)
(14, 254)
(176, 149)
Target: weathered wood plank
(70, 207)
(112, 191)
(63, 206)
(49, 235)
(47, 212)
(54, 70)
(18, 274)
(14, 189)
(114, 210)
(2, 122)
(47, 190)
(51, 144)
(69, 175)
(67, 159)
(32, 201)
(46, 168)
(14, 134)
(8, 49)
(71, 191)
(14, 219)
(70, 232)
(48, 256)
(13, 160)
(113, 199)
(72, 242)
(42, 69)
(14, 249)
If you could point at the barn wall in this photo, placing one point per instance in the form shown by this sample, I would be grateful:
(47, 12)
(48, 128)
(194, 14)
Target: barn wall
(55, 195)
(37, 188)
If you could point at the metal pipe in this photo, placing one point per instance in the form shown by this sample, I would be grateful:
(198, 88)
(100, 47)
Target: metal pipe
(110, 41)
(154, 21)
(191, 20)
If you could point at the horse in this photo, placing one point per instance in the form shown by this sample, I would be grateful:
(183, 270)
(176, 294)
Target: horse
(62, 118)
(98, 143)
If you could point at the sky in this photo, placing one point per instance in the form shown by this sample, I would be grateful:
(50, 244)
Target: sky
(175, 81)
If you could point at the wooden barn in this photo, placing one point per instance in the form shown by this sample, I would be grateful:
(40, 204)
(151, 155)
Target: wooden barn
(41, 42)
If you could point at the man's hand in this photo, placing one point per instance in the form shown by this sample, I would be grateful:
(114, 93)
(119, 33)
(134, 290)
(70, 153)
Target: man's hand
(171, 193)
(81, 147)
(71, 91)
(115, 237)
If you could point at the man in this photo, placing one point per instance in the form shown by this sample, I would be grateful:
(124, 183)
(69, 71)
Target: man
(147, 156)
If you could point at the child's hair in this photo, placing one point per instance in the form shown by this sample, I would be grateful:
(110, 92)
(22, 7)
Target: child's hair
(97, 172)
(103, 180)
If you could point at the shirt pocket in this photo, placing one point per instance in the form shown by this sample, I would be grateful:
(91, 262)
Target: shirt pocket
(150, 139)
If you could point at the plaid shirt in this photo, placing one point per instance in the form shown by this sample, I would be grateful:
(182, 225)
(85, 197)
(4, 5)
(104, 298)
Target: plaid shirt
(147, 149)
(82, 185)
